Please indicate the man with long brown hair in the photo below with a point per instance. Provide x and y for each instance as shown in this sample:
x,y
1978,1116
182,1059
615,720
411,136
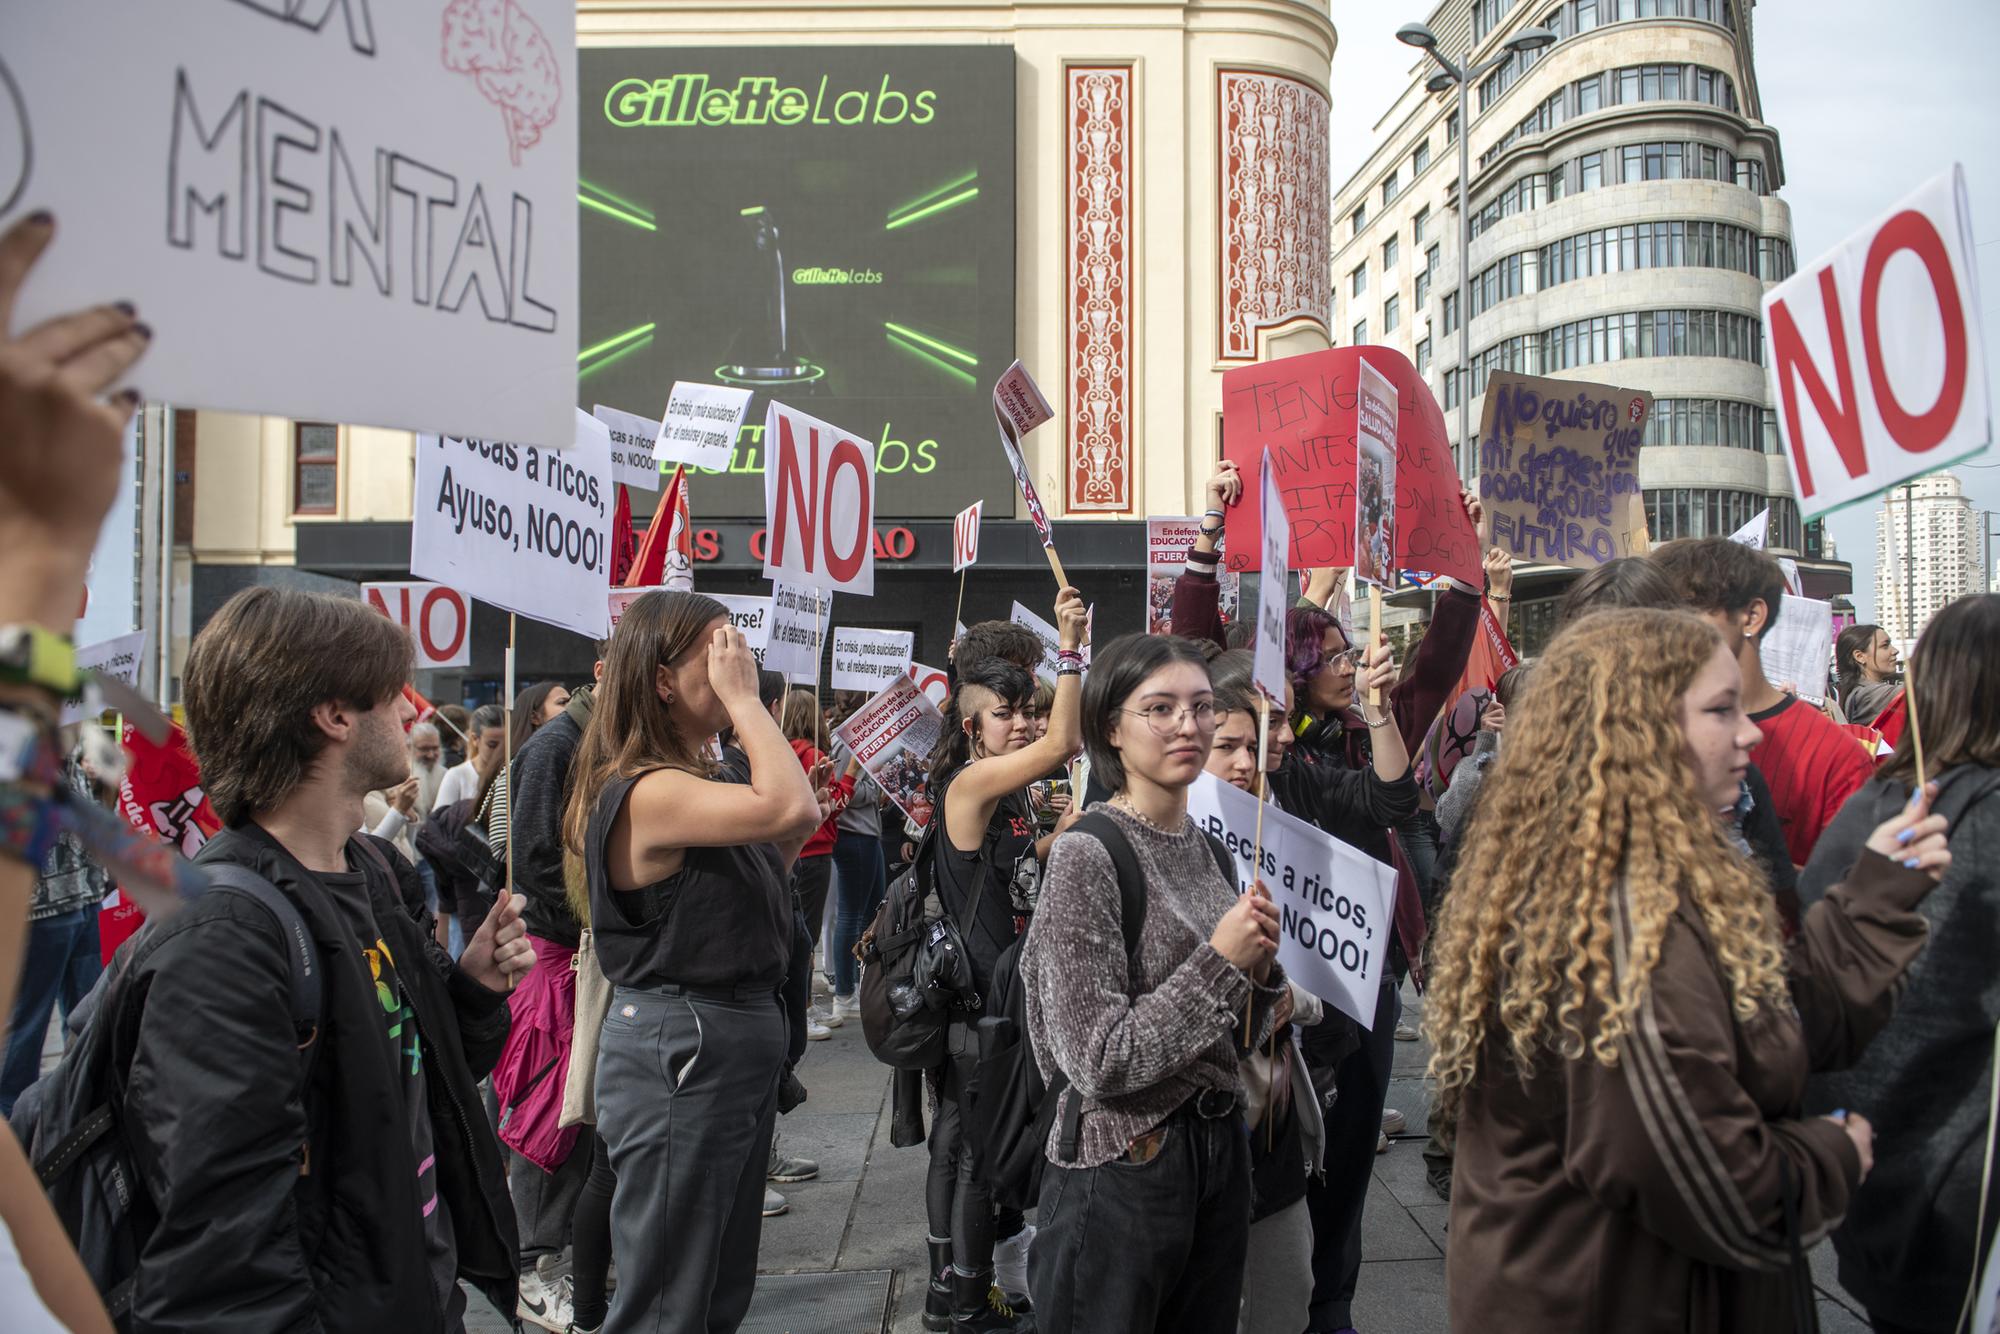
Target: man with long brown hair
x,y
346,1182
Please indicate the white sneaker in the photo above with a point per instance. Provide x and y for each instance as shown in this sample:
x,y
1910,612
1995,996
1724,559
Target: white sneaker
x,y
545,1302
826,1016
847,1007
1010,1265
815,1030
774,1203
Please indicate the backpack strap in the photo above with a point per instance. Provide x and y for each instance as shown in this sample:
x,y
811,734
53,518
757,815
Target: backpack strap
x,y
1223,861
299,951
1131,924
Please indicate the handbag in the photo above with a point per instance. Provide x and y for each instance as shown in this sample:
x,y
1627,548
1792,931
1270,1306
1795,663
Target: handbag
x,y
593,1002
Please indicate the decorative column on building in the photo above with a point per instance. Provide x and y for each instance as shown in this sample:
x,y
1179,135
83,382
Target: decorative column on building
x,y
1099,344
1275,193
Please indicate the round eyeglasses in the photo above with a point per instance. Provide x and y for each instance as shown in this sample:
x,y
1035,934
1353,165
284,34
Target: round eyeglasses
x,y
1165,719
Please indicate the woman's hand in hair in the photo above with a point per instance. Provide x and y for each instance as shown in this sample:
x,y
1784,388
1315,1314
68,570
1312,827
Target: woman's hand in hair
x,y
1070,615
732,670
1915,837
1247,935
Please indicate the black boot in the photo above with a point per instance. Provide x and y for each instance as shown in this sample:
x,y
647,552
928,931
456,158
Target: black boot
x,y
937,1297
977,1307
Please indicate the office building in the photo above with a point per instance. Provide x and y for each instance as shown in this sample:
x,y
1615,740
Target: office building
x,y
1936,557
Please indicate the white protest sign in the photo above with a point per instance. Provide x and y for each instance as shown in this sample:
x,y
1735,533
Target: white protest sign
x,y
1752,533
439,619
869,659
965,536
798,622
118,658
1168,538
631,447
700,425
819,503
1267,670
392,185
1374,479
893,735
1333,901
931,681
522,528
1877,353
1051,641
1798,648
109,596
1019,406
1790,567
749,614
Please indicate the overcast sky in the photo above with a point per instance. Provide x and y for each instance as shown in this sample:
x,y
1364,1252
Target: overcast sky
x,y
1857,135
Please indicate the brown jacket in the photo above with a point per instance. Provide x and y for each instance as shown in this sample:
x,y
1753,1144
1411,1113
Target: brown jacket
x,y
1651,1197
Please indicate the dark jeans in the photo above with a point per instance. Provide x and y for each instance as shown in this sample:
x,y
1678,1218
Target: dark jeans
x,y
1419,836
1353,1125
811,877
1147,1248
687,1092
958,1202
590,1234
58,967
858,886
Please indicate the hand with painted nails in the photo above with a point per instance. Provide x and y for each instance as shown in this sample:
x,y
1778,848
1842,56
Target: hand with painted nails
x,y
61,439
1915,837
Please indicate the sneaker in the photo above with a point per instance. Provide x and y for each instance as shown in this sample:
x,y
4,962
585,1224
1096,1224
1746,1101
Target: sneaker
x,y
575,1328
1010,1265
847,1007
815,1030
825,1015
1382,1144
1393,1121
774,1203
787,1169
1405,1033
545,1302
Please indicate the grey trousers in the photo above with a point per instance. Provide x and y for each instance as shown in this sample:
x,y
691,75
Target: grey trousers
x,y
1277,1276
686,1097
545,1202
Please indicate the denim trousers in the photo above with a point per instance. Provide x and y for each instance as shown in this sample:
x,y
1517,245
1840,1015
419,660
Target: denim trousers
x,y
858,887
1353,1127
58,968
1158,1246
687,1089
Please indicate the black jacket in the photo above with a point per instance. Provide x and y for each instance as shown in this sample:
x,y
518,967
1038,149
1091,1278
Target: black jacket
x,y
537,795
251,1238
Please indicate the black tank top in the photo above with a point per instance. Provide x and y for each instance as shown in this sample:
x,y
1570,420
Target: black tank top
x,y
1010,836
723,920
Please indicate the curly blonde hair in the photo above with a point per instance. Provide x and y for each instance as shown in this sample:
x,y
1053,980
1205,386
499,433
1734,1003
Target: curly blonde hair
x,y
1591,789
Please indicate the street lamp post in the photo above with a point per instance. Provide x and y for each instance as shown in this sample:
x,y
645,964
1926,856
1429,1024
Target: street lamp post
x,y
1421,37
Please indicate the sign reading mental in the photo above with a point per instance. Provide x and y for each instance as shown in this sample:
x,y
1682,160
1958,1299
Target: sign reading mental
x,y
1559,469
819,503
522,528
393,185
1305,410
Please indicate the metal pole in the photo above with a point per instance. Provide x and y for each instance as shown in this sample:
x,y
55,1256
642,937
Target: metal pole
x,y
166,605
1467,455
1910,562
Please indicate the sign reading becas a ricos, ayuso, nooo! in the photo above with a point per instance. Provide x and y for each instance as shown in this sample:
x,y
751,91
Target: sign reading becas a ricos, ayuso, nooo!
x,y
691,100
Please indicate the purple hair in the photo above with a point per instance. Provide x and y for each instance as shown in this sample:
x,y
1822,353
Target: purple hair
x,y
1305,643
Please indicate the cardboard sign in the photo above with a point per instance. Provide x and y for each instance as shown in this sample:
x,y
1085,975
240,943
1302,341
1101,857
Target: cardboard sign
x,y
1303,409
1374,479
965,536
631,447
1559,469
1267,671
392,185
701,425
1797,650
1019,406
819,504
1752,533
1167,542
867,660
439,619
893,736
934,683
522,528
798,627
1878,354
1334,901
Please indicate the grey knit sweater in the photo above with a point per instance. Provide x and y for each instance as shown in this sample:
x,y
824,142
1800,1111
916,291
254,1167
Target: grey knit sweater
x,y
1135,1047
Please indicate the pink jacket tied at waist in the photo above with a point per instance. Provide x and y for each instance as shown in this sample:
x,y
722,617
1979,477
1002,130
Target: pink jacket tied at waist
x,y
534,1065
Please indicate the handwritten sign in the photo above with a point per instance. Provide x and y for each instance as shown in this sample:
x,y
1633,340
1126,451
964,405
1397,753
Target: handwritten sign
x,y
1559,469
1019,406
893,735
700,426
439,619
1304,409
1333,900
798,627
819,503
1797,650
1168,539
1268,666
869,659
631,447
522,528
391,185
1375,479
965,536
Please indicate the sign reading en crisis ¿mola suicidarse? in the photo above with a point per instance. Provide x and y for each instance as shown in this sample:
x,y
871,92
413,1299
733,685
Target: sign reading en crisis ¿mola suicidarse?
x,y
862,273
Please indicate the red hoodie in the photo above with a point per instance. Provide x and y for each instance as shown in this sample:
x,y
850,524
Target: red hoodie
x,y
842,791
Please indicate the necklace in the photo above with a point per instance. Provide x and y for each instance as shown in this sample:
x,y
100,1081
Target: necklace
x,y
1124,803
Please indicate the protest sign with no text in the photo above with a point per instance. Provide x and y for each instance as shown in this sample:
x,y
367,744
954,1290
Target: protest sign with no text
x,y
819,504
522,528
438,618
700,425
393,185
1333,900
631,447
1273,598
893,735
867,660
1559,469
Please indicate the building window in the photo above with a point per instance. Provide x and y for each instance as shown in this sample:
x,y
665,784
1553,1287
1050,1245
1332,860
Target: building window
x,y
1486,15
1390,188
1591,167
1750,175
1423,356
1431,259
1450,311
1357,281
1420,157
1418,224
1423,292
315,468
1673,512
1360,333
1451,128
1392,315
1390,249
1715,423
1358,219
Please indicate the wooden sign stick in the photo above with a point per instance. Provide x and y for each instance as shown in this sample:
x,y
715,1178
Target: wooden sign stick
x,y
1910,706
1375,635
1257,853
1055,563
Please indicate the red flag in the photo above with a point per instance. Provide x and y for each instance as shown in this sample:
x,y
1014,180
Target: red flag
x,y
161,794
423,706
624,542
666,553
1893,718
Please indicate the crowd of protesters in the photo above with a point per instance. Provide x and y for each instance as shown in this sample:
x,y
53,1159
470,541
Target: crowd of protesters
x,y
1687,945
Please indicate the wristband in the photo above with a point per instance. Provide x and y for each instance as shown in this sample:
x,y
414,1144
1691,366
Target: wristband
x,y
1386,720
1500,597
1070,655
1218,515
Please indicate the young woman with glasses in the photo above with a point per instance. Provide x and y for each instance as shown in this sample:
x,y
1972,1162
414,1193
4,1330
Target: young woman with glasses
x,y
1145,1226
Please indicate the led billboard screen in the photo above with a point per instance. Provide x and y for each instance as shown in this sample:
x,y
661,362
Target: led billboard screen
x,y
831,226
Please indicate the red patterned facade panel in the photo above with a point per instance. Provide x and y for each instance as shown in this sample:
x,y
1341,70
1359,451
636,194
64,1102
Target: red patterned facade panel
x,y
1273,239
1099,336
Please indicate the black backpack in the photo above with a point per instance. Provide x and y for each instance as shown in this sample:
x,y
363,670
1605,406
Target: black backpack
x,y
1009,1109
915,972
69,1120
